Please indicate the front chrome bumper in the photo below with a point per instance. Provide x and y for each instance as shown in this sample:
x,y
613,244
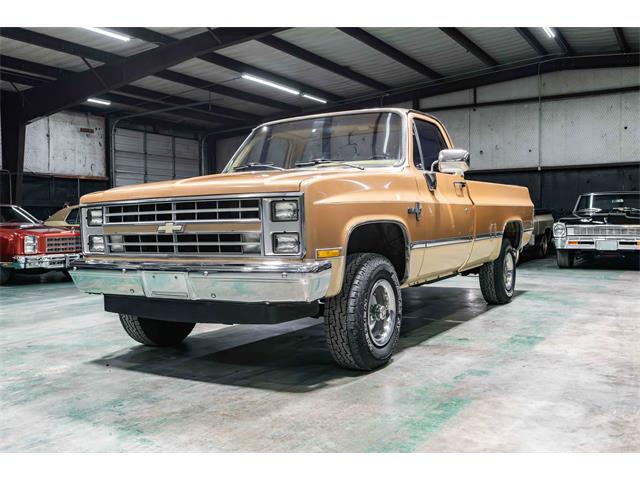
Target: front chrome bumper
x,y
269,282
603,244
50,261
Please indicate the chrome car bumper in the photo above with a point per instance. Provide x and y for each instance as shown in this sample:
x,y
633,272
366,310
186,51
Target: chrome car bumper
x,y
274,282
52,261
602,244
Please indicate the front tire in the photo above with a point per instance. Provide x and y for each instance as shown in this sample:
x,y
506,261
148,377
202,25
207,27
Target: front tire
x,y
498,278
565,258
362,322
155,333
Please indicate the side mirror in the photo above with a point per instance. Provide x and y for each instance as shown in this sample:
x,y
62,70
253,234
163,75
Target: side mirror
x,y
455,160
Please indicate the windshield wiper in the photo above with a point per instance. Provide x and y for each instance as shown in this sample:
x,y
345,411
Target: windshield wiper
x,y
594,210
269,166
325,161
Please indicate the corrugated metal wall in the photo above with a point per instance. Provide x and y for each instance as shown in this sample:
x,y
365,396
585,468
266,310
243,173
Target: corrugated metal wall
x,y
149,157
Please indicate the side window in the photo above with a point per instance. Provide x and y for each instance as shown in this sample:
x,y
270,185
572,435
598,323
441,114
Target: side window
x,y
429,143
72,218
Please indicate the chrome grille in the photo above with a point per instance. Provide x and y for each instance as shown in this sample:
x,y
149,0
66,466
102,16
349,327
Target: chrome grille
x,y
63,244
185,243
223,210
603,230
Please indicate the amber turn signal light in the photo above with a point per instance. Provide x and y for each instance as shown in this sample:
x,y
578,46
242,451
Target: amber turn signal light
x,y
328,253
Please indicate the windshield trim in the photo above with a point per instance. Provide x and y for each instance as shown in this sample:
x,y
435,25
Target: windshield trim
x,y
402,162
30,219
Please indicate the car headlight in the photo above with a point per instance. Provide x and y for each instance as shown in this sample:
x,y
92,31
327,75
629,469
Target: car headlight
x,y
30,244
116,244
96,243
559,230
94,217
286,243
284,211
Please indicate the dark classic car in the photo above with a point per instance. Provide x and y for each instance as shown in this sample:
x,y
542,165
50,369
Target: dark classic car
x,y
31,247
601,223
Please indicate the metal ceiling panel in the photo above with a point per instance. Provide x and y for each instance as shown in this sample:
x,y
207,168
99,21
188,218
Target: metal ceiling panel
x,y
591,40
95,40
26,51
179,32
504,44
548,43
346,50
431,47
262,56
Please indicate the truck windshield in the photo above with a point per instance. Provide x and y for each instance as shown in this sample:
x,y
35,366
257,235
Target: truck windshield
x,y
606,203
11,214
359,140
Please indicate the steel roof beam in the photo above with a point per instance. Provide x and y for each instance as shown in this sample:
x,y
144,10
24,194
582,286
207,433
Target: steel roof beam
x,y
318,61
220,113
231,64
64,46
533,42
462,40
562,42
622,41
389,51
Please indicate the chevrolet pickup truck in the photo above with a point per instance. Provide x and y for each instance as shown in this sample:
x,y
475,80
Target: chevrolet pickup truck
x,y
328,215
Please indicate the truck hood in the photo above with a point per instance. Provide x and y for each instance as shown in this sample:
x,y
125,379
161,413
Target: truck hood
x,y
34,229
219,184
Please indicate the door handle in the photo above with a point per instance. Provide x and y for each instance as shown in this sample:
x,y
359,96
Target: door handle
x,y
460,184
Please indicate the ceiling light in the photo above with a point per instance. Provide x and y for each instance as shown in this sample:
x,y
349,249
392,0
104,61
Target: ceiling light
x,y
270,84
550,33
315,99
108,33
99,101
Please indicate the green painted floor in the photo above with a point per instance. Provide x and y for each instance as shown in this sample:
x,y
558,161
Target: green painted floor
x,y
558,369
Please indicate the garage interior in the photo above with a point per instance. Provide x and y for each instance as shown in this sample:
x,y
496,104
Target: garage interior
x,y
554,109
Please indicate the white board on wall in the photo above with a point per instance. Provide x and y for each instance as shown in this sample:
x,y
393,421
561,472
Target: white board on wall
x,y
66,143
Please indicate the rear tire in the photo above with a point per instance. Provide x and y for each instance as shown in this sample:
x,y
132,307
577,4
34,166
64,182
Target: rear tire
x,y
565,258
155,333
543,246
5,275
362,322
498,278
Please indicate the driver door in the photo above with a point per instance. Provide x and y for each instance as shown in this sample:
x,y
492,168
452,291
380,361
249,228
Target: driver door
x,y
447,207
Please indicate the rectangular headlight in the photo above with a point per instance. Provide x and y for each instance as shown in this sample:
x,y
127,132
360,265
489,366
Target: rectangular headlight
x,y
286,243
96,243
284,211
94,217
30,244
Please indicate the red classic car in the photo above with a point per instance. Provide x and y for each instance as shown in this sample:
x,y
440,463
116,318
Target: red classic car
x,y
31,247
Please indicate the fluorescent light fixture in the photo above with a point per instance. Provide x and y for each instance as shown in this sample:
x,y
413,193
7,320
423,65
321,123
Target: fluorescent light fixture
x,y
293,91
550,33
108,33
99,101
315,99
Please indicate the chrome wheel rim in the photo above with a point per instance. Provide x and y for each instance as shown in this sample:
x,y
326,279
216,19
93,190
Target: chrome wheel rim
x,y
508,270
381,313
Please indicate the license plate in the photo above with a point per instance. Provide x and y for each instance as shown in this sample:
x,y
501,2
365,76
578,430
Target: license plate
x,y
607,245
165,285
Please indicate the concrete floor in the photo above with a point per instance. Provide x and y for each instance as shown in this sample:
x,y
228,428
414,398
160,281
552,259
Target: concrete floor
x,y
558,369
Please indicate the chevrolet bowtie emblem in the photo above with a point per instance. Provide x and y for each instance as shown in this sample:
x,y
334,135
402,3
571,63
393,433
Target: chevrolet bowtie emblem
x,y
169,228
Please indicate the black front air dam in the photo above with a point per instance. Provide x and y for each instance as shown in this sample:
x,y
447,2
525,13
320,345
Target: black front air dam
x,y
207,311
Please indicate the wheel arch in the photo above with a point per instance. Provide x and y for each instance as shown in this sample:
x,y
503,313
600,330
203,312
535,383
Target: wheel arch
x,y
355,241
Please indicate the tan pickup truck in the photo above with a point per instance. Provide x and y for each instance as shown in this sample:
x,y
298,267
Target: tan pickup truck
x,y
327,215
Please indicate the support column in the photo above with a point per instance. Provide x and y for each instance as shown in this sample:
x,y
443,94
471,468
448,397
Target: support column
x,y
13,137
